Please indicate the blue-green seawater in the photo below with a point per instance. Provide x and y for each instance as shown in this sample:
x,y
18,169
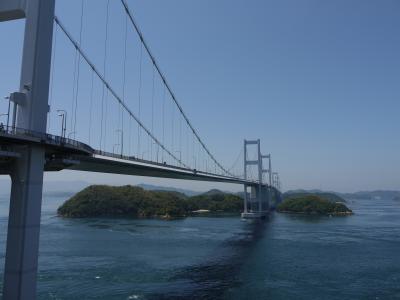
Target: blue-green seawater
x,y
285,257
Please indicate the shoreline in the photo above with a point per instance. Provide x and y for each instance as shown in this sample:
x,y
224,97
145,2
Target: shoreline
x,y
336,214
155,217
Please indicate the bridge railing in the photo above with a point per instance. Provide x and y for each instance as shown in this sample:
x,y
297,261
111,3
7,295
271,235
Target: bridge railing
x,y
160,164
50,139
47,138
136,159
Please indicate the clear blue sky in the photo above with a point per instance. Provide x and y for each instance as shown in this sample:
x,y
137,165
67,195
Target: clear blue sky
x,y
317,81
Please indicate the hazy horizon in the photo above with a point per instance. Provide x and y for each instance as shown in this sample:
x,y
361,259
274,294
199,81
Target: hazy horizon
x,y
317,82
58,185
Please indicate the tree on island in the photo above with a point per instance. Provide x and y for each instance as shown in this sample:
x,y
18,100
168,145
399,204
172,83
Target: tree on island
x,y
130,201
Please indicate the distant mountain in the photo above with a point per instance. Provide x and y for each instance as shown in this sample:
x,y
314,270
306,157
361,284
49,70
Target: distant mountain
x,y
302,191
68,188
50,188
57,187
373,195
213,192
363,195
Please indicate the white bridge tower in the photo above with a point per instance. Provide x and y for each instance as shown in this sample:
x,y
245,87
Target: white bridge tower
x,y
256,203
30,107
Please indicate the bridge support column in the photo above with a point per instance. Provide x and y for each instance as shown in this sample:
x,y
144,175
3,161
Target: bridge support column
x,y
245,200
22,248
24,225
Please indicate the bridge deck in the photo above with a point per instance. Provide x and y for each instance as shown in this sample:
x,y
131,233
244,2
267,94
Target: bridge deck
x,y
68,154
107,164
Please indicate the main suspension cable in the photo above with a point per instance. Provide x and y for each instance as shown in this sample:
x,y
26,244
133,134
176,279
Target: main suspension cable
x,y
112,91
135,25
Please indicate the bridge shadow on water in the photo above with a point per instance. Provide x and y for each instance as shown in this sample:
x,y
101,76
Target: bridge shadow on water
x,y
216,276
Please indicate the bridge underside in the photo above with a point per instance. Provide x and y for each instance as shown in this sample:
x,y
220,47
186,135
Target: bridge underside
x,y
105,164
68,155
64,154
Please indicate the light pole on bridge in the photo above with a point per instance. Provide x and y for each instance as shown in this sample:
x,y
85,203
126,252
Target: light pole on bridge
x,y
63,114
8,111
195,162
71,133
122,140
2,125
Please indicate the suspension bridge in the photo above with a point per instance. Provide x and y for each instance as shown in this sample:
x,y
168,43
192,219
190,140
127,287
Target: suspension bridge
x,y
126,121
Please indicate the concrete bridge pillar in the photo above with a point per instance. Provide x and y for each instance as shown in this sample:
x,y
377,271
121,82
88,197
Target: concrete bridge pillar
x,y
257,202
31,101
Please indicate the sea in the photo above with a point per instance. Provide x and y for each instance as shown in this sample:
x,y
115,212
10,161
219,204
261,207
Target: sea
x,y
283,257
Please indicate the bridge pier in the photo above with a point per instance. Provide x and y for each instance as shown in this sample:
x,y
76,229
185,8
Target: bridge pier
x,y
24,225
31,107
256,201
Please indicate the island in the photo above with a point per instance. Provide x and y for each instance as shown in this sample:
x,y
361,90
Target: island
x,y
136,202
313,204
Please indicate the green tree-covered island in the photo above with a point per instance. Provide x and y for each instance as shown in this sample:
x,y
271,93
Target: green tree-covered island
x,y
135,202
313,204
